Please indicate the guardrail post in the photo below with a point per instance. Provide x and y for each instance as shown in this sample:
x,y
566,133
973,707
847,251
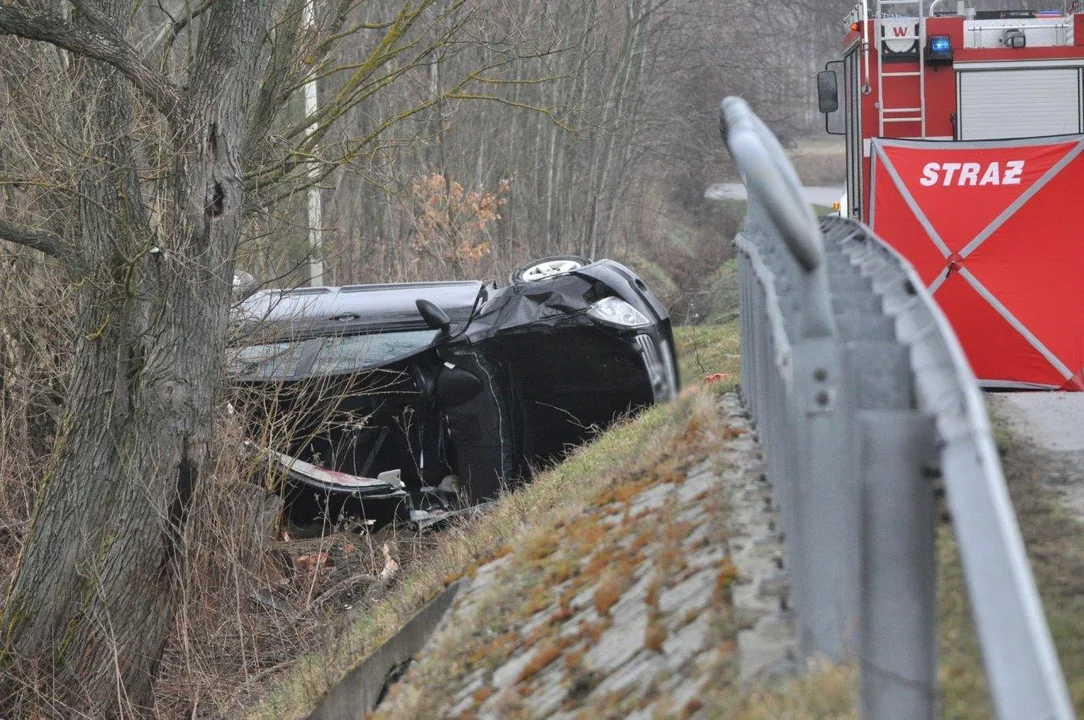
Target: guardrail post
x,y
826,542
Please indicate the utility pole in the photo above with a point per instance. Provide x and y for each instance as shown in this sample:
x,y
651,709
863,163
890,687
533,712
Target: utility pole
x,y
315,206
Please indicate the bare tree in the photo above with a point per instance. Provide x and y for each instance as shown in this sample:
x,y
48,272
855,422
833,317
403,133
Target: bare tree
x,y
168,129
630,92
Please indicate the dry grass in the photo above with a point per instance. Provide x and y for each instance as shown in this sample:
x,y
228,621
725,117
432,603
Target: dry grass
x,y
251,604
655,634
821,694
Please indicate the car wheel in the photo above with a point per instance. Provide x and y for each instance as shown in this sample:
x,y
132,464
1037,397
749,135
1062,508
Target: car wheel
x,y
548,267
244,284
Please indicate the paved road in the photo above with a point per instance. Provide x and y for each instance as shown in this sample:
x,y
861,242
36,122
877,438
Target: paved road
x,y
1053,421
817,195
1053,424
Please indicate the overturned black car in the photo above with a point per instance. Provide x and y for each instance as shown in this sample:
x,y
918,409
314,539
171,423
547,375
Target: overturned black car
x,y
380,400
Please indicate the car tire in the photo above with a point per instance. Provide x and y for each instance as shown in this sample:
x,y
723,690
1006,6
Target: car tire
x,y
547,267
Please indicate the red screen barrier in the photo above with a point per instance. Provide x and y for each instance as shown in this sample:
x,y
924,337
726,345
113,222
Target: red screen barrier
x,y
994,230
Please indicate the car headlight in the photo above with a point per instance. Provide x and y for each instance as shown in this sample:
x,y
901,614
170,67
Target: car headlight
x,y
615,311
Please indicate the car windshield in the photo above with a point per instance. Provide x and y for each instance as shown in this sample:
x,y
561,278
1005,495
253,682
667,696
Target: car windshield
x,y
333,355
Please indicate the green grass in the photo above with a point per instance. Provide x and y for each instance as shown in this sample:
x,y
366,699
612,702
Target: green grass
x,y
708,350
730,207
963,685
725,295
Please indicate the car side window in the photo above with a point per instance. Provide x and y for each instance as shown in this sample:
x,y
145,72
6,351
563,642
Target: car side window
x,y
357,352
268,361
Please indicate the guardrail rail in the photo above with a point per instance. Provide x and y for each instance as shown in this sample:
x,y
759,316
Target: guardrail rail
x,y
862,399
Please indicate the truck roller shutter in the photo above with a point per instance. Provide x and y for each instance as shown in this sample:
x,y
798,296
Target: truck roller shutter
x,y
997,104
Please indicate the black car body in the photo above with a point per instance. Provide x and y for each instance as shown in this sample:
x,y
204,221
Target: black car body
x,y
383,392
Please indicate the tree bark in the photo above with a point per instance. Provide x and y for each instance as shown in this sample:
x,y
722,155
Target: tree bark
x,y
93,600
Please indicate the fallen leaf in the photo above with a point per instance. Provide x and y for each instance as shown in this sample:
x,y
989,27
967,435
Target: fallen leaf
x,y
307,563
390,566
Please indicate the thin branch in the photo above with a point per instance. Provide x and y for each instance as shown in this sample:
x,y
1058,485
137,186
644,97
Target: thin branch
x,y
92,37
547,112
169,32
41,240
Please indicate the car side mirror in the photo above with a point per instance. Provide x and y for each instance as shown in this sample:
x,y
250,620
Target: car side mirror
x,y
434,317
827,91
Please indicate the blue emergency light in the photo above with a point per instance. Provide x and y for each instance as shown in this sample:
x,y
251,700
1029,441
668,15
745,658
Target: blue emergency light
x,y
939,49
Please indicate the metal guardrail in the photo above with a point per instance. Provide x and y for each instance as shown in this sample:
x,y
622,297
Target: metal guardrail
x,y
862,397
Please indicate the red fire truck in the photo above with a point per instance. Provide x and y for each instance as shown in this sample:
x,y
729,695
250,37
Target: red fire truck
x,y
964,132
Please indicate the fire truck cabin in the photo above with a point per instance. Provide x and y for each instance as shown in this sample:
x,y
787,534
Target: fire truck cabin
x,y
950,71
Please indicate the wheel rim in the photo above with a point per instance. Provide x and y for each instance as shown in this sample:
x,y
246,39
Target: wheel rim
x,y
550,268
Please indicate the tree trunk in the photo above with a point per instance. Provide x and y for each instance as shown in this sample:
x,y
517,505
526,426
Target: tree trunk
x,y
93,600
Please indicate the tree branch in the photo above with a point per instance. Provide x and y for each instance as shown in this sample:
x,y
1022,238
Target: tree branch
x,y
93,37
41,240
